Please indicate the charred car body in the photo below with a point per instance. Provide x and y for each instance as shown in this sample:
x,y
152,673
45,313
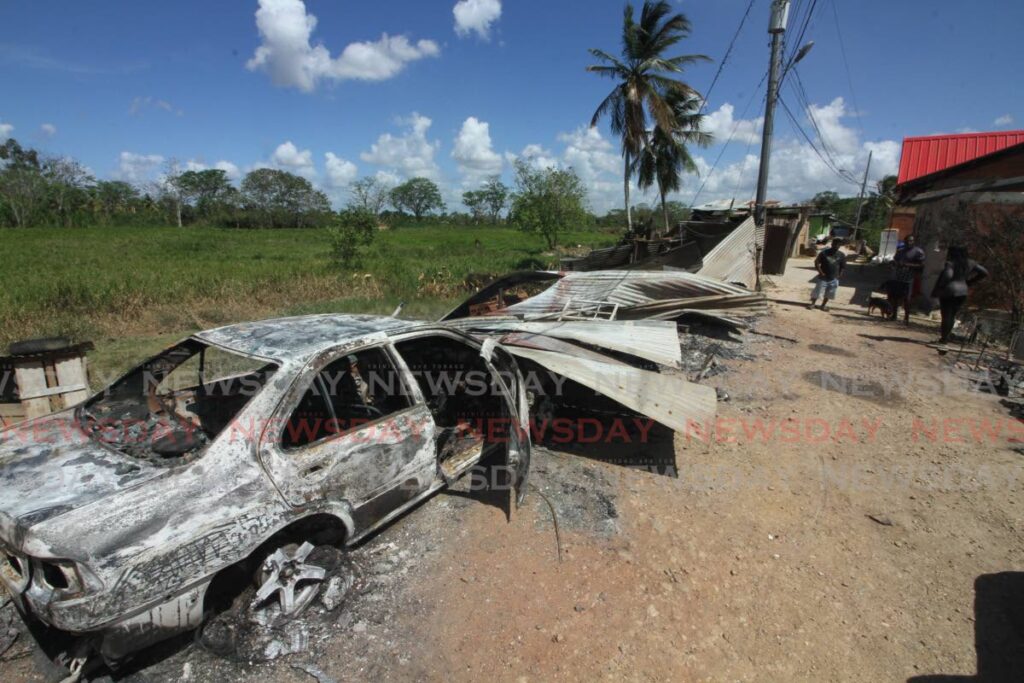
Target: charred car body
x,y
241,447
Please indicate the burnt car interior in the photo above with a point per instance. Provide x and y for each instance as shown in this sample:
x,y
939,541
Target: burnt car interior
x,y
353,391
170,407
460,393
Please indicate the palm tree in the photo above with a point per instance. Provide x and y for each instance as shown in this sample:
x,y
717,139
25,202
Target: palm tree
x,y
662,160
643,80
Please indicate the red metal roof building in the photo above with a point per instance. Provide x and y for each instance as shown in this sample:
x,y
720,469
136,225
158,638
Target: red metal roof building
x,y
923,156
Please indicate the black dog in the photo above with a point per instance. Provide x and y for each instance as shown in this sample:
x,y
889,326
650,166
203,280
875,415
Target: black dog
x,y
881,304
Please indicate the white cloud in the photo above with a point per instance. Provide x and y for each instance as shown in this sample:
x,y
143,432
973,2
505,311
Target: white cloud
x,y
340,172
721,124
474,153
1004,120
535,155
840,139
388,178
137,168
409,155
797,172
476,16
48,130
292,61
587,151
230,169
288,157
140,104
5,131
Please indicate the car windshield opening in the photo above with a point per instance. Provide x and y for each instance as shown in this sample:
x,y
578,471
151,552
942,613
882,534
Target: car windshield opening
x,y
170,407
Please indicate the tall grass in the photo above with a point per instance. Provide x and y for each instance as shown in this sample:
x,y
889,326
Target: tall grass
x,y
117,281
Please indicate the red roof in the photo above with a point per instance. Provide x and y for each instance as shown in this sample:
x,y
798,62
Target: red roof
x,y
926,155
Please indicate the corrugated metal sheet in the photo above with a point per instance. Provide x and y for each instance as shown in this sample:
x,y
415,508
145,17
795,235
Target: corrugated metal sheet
x,y
732,260
627,288
668,399
926,155
653,340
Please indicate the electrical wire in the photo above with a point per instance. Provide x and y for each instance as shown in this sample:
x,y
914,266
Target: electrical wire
x,y
846,65
829,163
732,134
721,65
795,45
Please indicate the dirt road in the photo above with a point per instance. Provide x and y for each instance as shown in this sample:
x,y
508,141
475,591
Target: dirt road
x,y
853,514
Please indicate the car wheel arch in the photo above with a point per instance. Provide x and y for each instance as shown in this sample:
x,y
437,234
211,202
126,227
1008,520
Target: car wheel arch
x,y
322,527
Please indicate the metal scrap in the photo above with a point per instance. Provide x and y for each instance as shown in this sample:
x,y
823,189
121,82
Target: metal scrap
x,y
734,259
670,400
652,340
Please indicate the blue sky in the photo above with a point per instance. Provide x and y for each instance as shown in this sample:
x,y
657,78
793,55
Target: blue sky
x,y
455,91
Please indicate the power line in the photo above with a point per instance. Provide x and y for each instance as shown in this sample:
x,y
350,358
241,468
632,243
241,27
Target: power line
x,y
846,65
829,163
732,134
826,145
795,46
721,65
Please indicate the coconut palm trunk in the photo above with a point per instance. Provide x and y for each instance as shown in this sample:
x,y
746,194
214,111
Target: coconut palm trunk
x,y
625,190
643,81
664,210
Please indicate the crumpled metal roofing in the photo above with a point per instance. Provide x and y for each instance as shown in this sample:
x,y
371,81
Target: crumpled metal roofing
x,y
665,398
653,340
630,289
733,259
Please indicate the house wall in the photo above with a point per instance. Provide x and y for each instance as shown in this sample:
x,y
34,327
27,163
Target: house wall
x,y
902,220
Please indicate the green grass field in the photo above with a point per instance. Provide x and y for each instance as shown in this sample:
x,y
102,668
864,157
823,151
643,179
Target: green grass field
x,y
133,290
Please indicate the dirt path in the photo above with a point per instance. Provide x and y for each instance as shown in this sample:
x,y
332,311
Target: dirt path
x,y
848,550
850,516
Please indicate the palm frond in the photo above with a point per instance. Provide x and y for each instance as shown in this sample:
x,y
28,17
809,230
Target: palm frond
x,y
610,103
687,60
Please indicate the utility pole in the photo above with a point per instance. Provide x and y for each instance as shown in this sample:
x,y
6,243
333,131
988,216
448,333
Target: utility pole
x,y
863,188
776,27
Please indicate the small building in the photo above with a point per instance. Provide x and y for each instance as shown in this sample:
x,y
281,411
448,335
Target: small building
x,y
945,178
937,166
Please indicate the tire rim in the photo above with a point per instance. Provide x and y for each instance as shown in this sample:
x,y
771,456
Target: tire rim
x,y
286,574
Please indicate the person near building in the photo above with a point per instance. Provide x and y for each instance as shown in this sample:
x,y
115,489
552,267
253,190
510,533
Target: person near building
x,y
907,266
957,277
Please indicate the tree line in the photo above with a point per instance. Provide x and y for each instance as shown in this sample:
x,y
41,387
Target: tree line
x,y
38,190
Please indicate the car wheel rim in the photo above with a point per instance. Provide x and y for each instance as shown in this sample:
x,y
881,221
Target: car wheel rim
x,y
288,581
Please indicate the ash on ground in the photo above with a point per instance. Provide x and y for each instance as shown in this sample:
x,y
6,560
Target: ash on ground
x,y
353,624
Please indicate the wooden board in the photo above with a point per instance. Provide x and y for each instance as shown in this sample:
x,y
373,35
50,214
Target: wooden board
x,y
11,413
31,381
71,373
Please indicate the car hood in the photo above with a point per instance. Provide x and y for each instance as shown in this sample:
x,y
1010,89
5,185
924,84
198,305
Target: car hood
x,y
49,466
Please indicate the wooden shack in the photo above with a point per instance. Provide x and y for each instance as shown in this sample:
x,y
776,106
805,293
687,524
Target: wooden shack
x,y
39,379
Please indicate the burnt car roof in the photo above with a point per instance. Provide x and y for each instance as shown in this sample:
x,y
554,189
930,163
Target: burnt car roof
x,y
299,337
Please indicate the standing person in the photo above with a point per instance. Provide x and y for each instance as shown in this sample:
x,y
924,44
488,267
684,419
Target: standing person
x,y
953,284
907,266
830,264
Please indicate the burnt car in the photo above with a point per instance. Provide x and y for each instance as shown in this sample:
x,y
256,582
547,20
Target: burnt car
x,y
231,457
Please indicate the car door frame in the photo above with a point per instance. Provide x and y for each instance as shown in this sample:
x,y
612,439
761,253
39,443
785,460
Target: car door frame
x,y
519,447
281,466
